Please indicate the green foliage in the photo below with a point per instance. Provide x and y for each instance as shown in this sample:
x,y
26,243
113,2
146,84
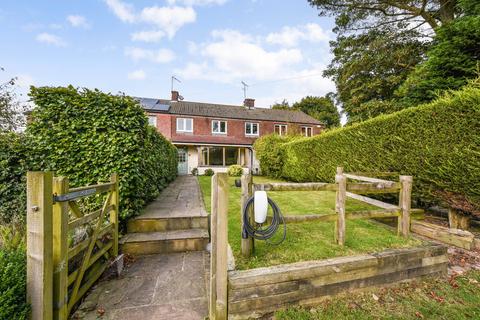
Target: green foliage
x,y
13,166
452,61
284,105
437,143
13,304
367,68
270,154
235,170
208,172
320,108
86,135
194,172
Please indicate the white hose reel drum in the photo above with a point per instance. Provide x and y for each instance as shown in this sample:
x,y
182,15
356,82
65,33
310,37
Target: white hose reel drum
x,y
260,206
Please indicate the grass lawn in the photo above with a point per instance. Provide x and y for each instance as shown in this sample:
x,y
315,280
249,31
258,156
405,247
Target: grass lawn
x,y
429,299
307,240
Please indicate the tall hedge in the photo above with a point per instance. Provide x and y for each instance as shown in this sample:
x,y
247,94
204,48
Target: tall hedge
x,y
270,154
12,177
437,143
13,285
86,135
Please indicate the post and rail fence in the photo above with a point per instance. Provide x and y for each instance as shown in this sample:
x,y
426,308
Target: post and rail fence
x,y
54,285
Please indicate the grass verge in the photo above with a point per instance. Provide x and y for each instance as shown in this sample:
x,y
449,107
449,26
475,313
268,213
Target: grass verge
x,y
308,240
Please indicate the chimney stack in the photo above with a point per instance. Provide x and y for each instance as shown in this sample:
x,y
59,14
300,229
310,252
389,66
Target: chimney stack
x,y
175,95
249,103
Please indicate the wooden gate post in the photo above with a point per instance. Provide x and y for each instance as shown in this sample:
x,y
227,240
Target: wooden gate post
x,y
405,202
115,212
60,251
218,267
341,195
247,186
39,244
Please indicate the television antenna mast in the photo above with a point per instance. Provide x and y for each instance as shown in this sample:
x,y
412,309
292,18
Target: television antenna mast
x,y
175,79
245,87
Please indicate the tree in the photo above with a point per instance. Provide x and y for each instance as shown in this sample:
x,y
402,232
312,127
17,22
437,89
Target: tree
x,y
320,108
453,59
11,111
367,68
284,105
354,15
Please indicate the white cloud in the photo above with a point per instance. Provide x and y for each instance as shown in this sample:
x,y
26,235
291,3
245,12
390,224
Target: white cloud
x,y
169,19
196,2
291,36
78,21
157,56
137,75
148,36
124,11
233,56
52,39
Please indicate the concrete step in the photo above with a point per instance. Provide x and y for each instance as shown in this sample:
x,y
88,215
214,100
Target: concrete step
x,y
165,241
166,223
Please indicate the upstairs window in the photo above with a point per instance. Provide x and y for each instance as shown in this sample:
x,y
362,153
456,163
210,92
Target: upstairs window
x,y
184,125
152,120
219,127
281,129
251,129
307,131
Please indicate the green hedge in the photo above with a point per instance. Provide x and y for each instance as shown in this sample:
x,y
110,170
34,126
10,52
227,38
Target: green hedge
x,y
13,289
437,143
86,135
12,177
270,154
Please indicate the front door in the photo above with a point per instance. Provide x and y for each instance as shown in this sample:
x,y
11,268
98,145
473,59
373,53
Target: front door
x,y
182,161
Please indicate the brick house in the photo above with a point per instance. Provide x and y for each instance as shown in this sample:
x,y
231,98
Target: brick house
x,y
216,136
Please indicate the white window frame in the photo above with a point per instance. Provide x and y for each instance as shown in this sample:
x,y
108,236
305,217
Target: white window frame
x,y
306,131
152,120
280,125
184,120
251,127
219,126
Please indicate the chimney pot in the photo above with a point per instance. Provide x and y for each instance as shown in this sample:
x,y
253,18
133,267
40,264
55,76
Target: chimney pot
x,y
175,95
249,103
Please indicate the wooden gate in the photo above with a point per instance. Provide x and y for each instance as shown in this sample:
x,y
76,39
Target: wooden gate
x,y
53,215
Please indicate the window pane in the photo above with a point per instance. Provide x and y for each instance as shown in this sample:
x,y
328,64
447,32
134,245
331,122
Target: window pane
x,y
248,128
254,128
216,156
215,126
231,156
284,130
223,126
180,126
277,129
188,124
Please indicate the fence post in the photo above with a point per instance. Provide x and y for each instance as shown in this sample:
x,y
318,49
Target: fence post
x,y
246,244
39,244
213,248
222,247
341,181
60,251
115,213
405,201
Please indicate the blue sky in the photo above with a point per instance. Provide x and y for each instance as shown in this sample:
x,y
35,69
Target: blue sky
x,y
278,47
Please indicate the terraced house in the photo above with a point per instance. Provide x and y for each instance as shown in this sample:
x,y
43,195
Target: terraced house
x,y
216,136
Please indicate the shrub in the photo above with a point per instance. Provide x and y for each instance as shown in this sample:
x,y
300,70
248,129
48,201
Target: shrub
x,y
13,304
437,143
12,177
235,170
208,172
270,154
194,172
86,135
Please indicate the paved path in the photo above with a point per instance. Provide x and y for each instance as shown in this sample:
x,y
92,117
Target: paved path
x,y
159,286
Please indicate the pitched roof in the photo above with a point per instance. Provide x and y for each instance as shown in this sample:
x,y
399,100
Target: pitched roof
x,y
226,111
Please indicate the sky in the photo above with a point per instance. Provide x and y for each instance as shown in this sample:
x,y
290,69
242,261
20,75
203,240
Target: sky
x,y
279,48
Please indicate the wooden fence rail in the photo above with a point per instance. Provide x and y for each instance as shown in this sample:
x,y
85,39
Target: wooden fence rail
x,y
53,215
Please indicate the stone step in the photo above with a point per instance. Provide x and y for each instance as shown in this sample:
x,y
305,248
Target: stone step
x,y
166,223
165,241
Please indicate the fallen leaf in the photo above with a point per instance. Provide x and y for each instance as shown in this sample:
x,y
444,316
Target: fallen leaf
x,y
375,297
418,314
101,311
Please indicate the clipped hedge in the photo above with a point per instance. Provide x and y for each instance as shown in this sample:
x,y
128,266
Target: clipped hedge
x,y
12,177
270,154
86,135
13,285
437,143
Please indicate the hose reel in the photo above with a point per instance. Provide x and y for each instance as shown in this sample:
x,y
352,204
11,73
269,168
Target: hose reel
x,y
259,228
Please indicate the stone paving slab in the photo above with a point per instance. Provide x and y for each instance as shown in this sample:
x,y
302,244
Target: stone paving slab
x,y
161,286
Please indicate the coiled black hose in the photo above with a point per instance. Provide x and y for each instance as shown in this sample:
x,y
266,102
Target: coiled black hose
x,y
256,231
